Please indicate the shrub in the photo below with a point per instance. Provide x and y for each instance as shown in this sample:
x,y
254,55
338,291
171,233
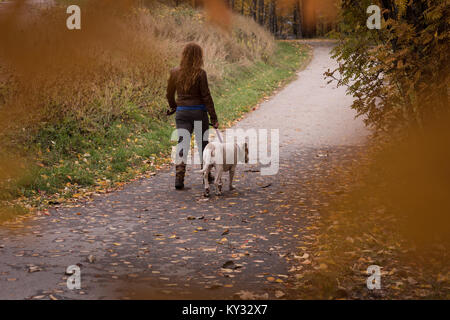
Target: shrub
x,y
399,75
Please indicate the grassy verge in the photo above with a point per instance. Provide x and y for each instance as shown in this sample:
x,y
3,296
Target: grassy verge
x,y
137,144
243,88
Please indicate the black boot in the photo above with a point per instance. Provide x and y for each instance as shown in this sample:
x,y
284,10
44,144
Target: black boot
x,y
180,170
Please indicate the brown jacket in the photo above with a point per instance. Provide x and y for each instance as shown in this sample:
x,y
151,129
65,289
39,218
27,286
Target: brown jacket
x,y
198,94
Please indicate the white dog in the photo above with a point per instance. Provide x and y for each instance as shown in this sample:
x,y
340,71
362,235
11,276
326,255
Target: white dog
x,y
223,157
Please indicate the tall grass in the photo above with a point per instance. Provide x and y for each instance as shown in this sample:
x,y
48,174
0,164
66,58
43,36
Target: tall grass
x,y
119,62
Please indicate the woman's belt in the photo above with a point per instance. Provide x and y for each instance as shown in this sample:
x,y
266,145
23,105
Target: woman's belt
x,y
198,107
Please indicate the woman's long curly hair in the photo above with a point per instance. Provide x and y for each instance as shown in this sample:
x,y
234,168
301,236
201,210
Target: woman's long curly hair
x,y
190,66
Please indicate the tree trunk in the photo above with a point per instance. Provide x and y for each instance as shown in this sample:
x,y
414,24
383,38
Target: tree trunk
x,y
231,4
273,17
261,12
254,5
297,23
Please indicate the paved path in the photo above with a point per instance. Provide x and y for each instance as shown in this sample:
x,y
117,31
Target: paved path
x,y
150,241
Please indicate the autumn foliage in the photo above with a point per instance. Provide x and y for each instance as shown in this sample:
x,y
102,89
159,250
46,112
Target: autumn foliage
x,y
399,75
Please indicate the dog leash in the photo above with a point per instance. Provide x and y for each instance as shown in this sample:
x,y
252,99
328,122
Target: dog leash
x,y
218,134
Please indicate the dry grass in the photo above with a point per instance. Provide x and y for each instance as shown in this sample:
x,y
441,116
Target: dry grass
x,y
119,60
243,43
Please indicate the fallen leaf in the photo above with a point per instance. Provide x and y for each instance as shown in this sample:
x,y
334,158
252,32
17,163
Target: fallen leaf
x,y
33,268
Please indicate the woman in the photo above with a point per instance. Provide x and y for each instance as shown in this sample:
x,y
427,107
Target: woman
x,y
193,103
